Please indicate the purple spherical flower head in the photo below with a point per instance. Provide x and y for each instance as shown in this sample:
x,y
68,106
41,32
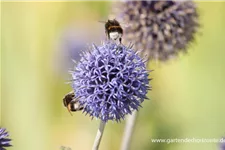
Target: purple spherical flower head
x,y
110,81
4,140
161,29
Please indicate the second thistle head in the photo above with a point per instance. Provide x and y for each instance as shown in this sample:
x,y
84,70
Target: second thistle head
x,y
160,28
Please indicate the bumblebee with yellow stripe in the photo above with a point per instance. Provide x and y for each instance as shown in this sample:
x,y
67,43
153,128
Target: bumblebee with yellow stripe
x,y
72,103
113,30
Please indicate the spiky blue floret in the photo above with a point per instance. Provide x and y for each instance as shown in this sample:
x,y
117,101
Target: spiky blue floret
x,y
4,140
110,81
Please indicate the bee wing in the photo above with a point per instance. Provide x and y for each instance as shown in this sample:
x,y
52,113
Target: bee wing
x,y
125,25
71,93
102,21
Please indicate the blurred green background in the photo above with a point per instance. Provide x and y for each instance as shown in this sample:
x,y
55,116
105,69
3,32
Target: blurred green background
x,y
187,100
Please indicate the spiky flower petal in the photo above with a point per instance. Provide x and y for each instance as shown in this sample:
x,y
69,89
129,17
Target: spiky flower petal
x,y
160,28
110,81
4,140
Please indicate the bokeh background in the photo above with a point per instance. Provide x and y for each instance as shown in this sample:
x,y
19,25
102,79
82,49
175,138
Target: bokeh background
x,y
38,40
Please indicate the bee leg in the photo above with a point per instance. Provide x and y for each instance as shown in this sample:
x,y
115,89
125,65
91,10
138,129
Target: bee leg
x,y
120,39
81,108
69,110
107,35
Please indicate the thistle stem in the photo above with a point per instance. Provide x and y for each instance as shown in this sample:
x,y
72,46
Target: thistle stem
x,y
129,128
99,135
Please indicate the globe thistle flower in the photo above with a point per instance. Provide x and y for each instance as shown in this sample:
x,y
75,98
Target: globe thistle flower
x,y
160,28
110,81
4,140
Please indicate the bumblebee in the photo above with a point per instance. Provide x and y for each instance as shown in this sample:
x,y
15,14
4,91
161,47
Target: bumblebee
x,y
72,103
113,30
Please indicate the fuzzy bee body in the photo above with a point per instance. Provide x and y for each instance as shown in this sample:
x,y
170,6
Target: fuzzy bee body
x,y
113,30
72,103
